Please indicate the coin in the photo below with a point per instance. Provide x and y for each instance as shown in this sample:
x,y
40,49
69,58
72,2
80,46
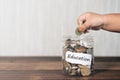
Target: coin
x,y
81,49
77,32
70,48
74,66
78,71
81,66
68,41
66,65
85,71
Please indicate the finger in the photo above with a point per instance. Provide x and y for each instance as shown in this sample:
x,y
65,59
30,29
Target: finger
x,y
82,28
81,19
96,28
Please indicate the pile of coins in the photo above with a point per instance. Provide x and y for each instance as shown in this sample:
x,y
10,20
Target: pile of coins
x,y
76,69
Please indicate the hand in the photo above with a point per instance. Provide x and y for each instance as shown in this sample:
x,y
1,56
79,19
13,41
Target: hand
x,y
90,20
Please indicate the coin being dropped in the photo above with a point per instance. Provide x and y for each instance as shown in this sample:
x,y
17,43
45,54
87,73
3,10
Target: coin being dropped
x,y
77,32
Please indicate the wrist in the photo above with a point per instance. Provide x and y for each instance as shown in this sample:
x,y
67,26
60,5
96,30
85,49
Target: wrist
x,y
103,16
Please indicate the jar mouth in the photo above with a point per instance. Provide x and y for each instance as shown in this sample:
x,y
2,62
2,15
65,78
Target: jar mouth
x,y
85,40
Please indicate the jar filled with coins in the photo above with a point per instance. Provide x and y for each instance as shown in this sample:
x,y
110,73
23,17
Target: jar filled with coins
x,y
77,58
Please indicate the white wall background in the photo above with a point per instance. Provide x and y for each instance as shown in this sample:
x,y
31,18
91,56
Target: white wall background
x,y
37,27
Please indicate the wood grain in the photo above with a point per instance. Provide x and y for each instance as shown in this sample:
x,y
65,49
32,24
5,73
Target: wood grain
x,y
50,68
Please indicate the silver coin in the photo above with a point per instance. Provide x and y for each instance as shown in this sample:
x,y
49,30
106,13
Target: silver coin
x,y
77,32
78,71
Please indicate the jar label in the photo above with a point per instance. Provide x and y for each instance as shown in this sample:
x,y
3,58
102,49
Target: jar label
x,y
79,58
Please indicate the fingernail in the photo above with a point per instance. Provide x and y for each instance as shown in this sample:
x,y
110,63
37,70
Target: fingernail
x,y
81,28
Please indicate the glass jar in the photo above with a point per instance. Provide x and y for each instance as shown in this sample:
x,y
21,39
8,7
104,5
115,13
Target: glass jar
x,y
77,55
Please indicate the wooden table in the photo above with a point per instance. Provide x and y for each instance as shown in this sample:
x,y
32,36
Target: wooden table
x,y
50,68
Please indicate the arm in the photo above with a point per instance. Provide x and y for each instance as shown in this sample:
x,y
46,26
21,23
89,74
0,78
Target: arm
x,y
109,22
112,22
